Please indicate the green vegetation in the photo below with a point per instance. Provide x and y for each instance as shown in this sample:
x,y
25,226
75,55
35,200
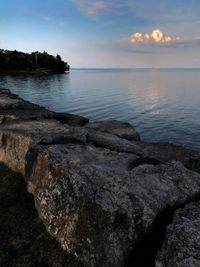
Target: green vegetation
x,y
15,61
24,240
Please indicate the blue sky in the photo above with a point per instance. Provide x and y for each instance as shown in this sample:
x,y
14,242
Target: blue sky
x,y
112,33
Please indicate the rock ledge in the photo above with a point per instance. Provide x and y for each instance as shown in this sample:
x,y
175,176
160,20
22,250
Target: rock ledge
x,y
99,190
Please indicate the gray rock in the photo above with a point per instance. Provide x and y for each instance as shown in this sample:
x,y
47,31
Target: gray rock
x,y
97,188
181,246
71,119
17,137
112,142
122,129
10,101
166,152
97,208
19,115
12,107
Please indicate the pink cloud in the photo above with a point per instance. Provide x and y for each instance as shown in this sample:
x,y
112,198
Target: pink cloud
x,y
157,37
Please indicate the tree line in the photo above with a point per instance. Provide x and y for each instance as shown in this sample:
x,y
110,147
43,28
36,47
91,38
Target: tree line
x,y
36,61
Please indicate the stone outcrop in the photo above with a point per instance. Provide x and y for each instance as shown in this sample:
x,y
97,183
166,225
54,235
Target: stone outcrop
x,y
182,242
17,137
106,196
13,107
165,152
95,207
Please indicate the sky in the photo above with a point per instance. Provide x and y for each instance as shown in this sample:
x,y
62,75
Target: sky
x,y
105,33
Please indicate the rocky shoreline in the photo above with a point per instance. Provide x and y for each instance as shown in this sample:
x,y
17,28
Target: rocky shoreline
x,y
108,198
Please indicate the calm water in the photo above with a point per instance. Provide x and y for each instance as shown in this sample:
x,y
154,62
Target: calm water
x,y
163,105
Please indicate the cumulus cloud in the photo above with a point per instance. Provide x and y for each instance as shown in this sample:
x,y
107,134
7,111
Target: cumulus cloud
x,y
157,37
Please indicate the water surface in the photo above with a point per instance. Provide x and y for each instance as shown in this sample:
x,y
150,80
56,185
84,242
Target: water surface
x,y
163,105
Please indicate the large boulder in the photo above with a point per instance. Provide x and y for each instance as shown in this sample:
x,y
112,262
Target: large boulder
x,y
17,137
96,206
102,193
181,247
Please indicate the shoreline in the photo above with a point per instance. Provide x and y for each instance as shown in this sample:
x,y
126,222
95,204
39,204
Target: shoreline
x,y
105,195
24,72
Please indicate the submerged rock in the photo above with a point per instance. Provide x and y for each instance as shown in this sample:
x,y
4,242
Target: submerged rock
x,y
181,247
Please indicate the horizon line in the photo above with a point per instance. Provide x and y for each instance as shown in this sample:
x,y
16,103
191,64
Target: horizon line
x,y
131,68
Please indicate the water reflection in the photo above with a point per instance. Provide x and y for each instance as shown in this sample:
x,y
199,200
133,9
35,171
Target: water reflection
x,y
163,105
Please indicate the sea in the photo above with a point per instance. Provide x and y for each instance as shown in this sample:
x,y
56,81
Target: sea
x,y
162,104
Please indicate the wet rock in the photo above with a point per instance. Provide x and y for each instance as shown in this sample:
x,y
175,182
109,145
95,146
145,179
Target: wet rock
x,y
121,129
182,242
97,208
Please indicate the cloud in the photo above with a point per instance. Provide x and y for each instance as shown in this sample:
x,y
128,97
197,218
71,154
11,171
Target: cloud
x,y
96,7
91,8
186,43
156,37
101,7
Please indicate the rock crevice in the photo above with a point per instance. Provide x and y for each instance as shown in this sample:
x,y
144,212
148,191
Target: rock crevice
x,y
102,193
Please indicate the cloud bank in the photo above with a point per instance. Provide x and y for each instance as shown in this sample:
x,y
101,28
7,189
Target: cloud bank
x,y
156,37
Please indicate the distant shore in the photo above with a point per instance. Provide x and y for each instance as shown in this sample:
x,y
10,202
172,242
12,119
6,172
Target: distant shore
x,y
30,72
16,62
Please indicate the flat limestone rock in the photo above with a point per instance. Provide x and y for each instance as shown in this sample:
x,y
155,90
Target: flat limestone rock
x,y
166,152
181,246
12,107
97,188
121,129
16,138
16,115
10,101
112,142
95,206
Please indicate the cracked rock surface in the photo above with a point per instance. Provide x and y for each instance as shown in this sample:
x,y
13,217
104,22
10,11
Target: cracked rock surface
x,y
100,191
181,247
98,209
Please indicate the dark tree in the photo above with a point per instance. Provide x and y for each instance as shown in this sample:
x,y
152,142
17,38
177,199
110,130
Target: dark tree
x,y
36,61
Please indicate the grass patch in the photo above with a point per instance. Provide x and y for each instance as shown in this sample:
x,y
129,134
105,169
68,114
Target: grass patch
x,y
24,241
